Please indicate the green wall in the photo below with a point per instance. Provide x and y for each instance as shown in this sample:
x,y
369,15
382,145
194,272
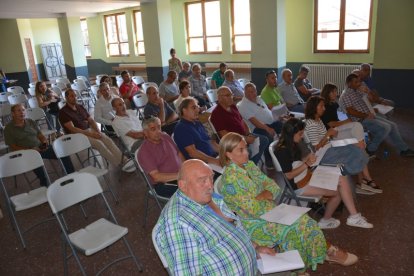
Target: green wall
x,y
25,31
11,50
45,30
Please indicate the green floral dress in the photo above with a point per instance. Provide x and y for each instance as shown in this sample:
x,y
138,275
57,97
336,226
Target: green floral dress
x,y
239,187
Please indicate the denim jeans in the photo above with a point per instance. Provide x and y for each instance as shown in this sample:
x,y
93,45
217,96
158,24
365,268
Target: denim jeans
x,y
263,148
353,158
277,126
381,128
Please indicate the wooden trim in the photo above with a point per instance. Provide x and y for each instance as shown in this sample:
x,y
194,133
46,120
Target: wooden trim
x,y
115,15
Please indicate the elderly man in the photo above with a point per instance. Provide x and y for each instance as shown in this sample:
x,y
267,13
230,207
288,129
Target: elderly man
x,y
359,111
270,94
191,137
160,158
186,72
198,234
128,89
157,107
75,119
217,78
168,88
289,93
303,85
227,118
103,112
234,85
198,85
23,133
127,125
365,75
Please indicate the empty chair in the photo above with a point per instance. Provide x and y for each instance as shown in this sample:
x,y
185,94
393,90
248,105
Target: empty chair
x,y
37,114
65,81
85,79
208,80
5,113
81,84
243,82
32,91
4,97
14,164
145,85
138,80
32,84
15,89
212,96
140,101
17,99
33,102
62,86
72,190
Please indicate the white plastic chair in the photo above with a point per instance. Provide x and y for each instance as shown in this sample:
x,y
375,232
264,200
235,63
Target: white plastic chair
x,y
208,80
15,89
118,78
32,91
33,103
212,96
160,255
98,78
58,91
243,82
74,144
145,85
65,81
17,99
37,114
4,97
217,185
140,101
138,80
81,84
5,113
119,82
14,164
71,190
62,86
94,90
85,80
32,84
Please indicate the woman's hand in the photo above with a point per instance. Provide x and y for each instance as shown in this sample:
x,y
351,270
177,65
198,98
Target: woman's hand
x,y
265,195
310,159
265,250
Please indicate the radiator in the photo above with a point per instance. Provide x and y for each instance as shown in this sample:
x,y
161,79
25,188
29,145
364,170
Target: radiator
x,y
320,74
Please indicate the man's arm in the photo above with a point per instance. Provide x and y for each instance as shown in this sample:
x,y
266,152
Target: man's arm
x,y
92,124
135,134
72,129
259,124
194,153
352,111
99,116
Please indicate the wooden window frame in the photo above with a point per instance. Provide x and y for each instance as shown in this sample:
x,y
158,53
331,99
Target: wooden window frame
x,y
341,31
204,36
233,36
86,45
117,35
136,32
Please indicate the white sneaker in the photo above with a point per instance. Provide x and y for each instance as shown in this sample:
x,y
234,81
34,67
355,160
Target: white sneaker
x,y
361,191
358,220
129,166
330,223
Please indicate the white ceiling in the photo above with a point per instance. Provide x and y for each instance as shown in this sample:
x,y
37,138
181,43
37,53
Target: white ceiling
x,y
59,8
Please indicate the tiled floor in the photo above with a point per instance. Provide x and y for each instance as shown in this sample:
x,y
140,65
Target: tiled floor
x,y
388,249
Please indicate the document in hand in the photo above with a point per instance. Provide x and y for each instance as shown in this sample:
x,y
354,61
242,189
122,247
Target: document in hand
x,y
383,109
279,111
325,177
344,142
284,214
289,260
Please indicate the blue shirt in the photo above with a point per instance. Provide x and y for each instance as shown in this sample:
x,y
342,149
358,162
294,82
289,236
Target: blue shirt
x,y
154,110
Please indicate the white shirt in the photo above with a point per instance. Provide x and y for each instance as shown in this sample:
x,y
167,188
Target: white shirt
x,y
168,89
124,124
104,113
258,110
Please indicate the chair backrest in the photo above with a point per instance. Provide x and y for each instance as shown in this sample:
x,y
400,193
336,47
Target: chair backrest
x,y
98,78
32,84
61,85
5,110
4,97
33,103
119,78
85,79
119,82
212,95
65,81
138,80
69,144
272,148
140,100
17,99
74,86
94,89
218,185
208,80
35,114
145,85
15,89
243,82
81,84
18,162
32,91
72,189
160,255
213,128
55,88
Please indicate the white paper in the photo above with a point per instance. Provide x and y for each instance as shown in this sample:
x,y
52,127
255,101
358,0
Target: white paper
x,y
284,214
325,177
216,168
289,260
279,111
383,109
344,142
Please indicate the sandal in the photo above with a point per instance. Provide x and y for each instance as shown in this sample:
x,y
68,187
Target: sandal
x,y
370,185
339,256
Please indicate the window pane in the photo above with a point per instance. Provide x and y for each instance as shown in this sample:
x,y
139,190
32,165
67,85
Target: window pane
x,y
242,43
328,41
357,14
111,28
196,45
124,48
328,14
87,51
123,35
356,41
195,22
138,27
214,44
84,29
212,17
241,18
113,50
141,48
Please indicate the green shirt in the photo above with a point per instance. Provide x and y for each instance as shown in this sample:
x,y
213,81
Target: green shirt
x,y
271,95
26,136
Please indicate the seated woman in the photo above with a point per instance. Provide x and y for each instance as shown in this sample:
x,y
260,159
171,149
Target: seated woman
x,y
250,193
114,90
48,100
353,158
288,151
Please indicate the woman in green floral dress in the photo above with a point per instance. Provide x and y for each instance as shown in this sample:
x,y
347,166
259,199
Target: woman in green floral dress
x,y
250,193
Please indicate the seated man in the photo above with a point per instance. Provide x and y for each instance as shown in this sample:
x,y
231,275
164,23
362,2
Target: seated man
x,y
270,94
303,85
75,119
198,85
217,78
365,75
185,73
191,137
128,89
358,110
23,133
127,125
160,158
157,107
289,93
103,112
198,234
168,88
234,85
226,118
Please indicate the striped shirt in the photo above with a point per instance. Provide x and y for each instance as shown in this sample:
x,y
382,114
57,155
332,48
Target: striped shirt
x,y
196,241
315,131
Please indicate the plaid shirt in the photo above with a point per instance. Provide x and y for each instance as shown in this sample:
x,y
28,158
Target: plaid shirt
x,y
198,86
355,99
196,241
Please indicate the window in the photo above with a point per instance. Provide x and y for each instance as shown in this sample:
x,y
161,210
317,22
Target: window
x,y
342,26
241,26
85,34
203,26
139,34
116,35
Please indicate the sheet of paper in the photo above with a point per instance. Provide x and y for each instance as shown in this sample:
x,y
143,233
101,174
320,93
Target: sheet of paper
x,y
325,177
383,109
289,260
254,148
284,214
279,110
344,142
216,168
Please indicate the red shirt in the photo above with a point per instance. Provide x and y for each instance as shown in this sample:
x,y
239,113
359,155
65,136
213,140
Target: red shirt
x,y
230,121
124,88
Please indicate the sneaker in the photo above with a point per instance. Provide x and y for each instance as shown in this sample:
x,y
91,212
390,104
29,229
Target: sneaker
x,y
330,223
129,166
358,220
339,256
360,191
407,153
369,185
